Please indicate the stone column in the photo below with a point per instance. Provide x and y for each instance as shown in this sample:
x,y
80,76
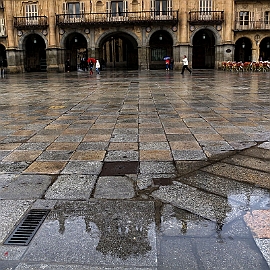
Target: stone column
x,y
9,23
54,62
229,22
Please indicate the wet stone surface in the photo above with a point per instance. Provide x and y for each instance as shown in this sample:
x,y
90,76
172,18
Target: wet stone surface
x,y
97,232
141,170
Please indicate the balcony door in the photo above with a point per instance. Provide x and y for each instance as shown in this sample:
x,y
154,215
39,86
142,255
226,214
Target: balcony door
x,y
74,11
116,10
206,6
31,13
161,8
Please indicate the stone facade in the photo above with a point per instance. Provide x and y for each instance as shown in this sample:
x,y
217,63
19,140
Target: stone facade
x,y
131,34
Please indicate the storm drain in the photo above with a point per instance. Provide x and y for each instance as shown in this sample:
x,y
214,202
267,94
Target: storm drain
x,y
27,228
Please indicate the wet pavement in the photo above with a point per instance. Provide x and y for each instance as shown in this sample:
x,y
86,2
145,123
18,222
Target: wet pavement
x,y
139,170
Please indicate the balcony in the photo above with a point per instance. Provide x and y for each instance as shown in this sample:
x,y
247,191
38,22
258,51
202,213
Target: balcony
x,y
252,25
36,22
143,17
206,17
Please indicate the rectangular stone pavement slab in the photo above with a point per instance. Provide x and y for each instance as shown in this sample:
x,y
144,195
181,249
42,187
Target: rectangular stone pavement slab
x,y
118,233
10,212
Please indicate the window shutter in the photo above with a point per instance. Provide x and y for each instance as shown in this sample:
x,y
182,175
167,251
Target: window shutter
x,y
152,5
65,8
108,7
82,8
169,7
125,6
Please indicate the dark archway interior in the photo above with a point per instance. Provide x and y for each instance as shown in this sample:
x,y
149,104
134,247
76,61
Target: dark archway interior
x,y
243,50
203,55
119,51
76,51
265,49
3,56
161,45
35,52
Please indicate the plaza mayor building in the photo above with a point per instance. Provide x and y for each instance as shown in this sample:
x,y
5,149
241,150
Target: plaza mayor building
x,y
132,34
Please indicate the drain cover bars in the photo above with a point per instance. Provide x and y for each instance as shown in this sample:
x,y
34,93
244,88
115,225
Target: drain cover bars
x,y
27,228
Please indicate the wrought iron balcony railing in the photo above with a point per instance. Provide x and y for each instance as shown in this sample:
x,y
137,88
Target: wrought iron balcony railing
x,y
252,25
31,22
206,17
117,18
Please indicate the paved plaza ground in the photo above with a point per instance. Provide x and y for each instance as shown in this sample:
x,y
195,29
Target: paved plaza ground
x,y
130,170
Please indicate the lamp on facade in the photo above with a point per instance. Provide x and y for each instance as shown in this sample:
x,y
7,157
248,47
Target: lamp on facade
x,y
203,36
243,45
160,37
35,40
75,39
268,45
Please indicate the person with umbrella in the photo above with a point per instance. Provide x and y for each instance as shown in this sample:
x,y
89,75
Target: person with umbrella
x,y
91,62
167,62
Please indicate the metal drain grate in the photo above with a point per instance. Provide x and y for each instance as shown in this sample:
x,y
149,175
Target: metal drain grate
x,y
27,228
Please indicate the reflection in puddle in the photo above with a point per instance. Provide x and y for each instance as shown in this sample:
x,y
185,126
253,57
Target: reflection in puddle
x,y
99,231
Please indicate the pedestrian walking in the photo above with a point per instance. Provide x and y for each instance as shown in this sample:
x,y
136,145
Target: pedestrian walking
x,y
185,65
91,67
167,63
98,67
171,64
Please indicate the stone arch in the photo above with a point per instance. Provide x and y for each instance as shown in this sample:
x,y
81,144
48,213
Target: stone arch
x,y
164,29
66,34
22,40
216,33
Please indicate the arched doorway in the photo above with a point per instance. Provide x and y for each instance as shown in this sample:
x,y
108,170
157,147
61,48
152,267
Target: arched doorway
x,y
161,45
265,49
203,55
76,51
35,53
120,51
243,50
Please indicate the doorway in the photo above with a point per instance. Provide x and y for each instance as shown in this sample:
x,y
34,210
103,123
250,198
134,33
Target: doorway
x,y
35,54
203,55
76,51
119,51
243,50
161,46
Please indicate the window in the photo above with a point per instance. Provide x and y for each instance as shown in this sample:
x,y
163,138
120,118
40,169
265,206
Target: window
x,y
74,10
244,17
31,12
205,9
205,5
117,8
267,17
2,27
162,7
